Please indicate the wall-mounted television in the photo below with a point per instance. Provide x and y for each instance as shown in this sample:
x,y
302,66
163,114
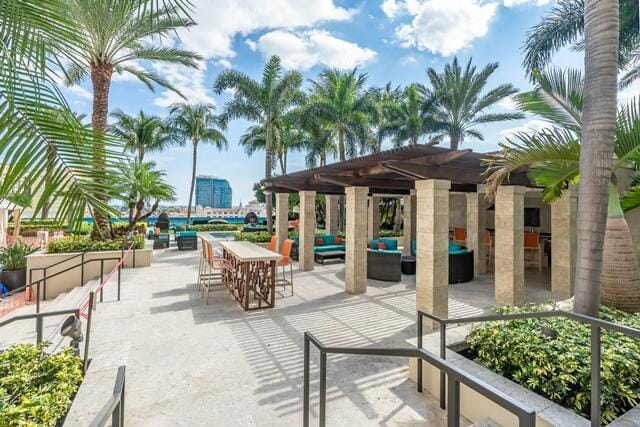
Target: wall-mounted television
x,y
532,217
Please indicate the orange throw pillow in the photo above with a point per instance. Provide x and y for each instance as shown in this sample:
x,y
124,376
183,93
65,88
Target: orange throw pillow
x,y
337,240
382,246
319,241
368,245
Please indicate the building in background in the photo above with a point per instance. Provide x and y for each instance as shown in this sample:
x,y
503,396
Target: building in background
x,y
213,192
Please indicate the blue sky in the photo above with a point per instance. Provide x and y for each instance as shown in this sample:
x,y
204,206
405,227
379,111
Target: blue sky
x,y
390,40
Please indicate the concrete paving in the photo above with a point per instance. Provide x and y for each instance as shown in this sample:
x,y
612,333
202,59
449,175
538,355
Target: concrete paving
x,y
191,364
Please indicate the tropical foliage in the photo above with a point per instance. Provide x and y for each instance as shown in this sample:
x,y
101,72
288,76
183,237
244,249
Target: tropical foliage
x,y
74,244
143,133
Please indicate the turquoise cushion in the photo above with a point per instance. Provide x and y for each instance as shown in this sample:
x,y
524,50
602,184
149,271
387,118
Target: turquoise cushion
x,y
327,248
454,247
328,239
391,244
458,252
373,244
187,234
394,251
413,248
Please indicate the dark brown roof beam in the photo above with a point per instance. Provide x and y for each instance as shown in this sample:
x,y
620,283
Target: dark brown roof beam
x,y
442,158
347,181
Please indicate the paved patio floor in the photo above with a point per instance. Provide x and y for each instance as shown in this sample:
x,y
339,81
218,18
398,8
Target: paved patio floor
x,y
191,364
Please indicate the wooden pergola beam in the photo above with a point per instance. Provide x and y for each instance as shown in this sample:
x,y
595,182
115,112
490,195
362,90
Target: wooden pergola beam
x,y
353,181
442,158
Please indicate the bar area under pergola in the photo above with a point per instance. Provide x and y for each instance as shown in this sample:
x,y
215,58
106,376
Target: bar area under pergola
x,y
426,177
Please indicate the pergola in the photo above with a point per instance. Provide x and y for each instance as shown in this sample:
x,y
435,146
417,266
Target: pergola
x,y
423,176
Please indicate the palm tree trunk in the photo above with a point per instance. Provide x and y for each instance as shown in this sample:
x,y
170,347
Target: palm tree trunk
x,y
454,141
341,152
596,154
140,155
101,82
267,175
193,179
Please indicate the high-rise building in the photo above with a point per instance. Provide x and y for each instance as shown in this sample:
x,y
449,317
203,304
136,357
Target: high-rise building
x,y
213,192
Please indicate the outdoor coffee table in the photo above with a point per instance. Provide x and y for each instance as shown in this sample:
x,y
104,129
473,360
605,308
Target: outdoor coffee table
x,y
408,265
252,281
322,256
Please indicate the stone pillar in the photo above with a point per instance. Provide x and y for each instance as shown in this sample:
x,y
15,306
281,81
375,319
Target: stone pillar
x,y
373,221
409,222
307,230
476,226
563,250
432,273
355,267
282,218
509,223
331,213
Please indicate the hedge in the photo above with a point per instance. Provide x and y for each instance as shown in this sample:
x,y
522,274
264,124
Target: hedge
x,y
552,358
85,244
36,388
215,227
254,237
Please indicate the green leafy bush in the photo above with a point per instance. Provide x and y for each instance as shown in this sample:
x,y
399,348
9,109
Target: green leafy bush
x,y
14,257
552,358
122,228
254,237
390,233
36,388
215,227
85,244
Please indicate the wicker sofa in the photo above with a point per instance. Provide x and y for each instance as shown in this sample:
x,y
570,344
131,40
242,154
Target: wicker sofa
x,y
187,240
384,265
460,263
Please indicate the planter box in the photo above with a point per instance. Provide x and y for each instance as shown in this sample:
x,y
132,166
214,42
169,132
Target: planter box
x,y
71,279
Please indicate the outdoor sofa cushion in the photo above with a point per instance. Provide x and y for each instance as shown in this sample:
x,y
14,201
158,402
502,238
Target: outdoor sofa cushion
x,y
328,248
187,234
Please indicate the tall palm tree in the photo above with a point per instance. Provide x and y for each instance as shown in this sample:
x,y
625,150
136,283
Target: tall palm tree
x,y
116,34
340,100
263,102
414,116
461,106
196,123
385,103
287,136
555,156
143,133
563,26
319,143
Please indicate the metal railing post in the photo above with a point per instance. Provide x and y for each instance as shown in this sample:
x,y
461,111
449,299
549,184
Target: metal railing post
x,y
38,297
101,279
305,403
134,255
419,361
595,375
44,285
119,276
87,341
82,270
323,388
443,354
453,402
39,325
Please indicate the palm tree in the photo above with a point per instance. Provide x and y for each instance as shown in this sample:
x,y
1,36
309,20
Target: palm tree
x,y
196,123
414,116
555,158
116,34
563,26
263,102
144,186
385,103
339,99
142,133
287,136
319,143
460,104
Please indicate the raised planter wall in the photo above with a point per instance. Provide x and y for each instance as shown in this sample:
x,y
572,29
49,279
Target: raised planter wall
x,y
71,279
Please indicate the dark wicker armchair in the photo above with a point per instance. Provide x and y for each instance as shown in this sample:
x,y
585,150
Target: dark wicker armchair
x,y
384,266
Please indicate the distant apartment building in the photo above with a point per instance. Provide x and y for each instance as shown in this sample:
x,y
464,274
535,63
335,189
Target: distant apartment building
x,y
213,192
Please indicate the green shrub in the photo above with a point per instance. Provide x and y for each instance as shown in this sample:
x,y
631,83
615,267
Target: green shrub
x,y
254,237
14,257
215,227
552,357
122,228
85,244
390,233
36,388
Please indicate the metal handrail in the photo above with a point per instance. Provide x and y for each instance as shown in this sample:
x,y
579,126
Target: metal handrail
x,y
596,351
455,376
114,407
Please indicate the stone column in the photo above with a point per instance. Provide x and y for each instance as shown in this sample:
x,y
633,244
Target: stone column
x,y
331,213
432,273
476,226
373,221
509,223
408,222
307,230
282,218
355,263
563,249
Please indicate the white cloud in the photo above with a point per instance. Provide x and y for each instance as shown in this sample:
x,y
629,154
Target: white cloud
x,y
224,63
511,3
190,82
508,104
628,93
409,59
221,20
78,91
444,26
529,127
309,48
392,8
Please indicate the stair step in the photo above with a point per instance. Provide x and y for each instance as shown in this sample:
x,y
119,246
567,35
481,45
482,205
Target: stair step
x,y
486,422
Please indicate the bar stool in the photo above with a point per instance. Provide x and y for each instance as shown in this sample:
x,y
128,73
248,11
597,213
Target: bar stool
x,y
217,267
284,262
273,244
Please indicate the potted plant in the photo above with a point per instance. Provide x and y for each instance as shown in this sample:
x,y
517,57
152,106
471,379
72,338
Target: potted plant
x,y
13,261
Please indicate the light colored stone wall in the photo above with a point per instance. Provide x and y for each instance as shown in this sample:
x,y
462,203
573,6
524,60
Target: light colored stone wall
x,y
355,264
563,230
432,272
282,218
457,210
509,261
307,230
331,213
476,225
373,218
